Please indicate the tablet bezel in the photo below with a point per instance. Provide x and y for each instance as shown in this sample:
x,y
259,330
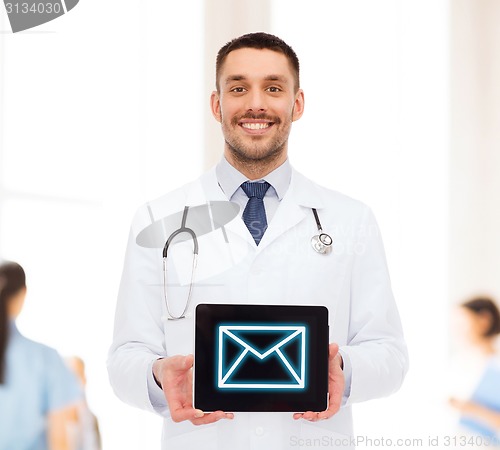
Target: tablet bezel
x,y
208,397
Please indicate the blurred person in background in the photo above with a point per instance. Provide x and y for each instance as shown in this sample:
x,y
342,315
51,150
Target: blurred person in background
x,y
84,427
480,411
37,390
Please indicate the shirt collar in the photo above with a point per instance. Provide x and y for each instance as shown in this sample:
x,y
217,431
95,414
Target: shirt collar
x,y
230,178
13,327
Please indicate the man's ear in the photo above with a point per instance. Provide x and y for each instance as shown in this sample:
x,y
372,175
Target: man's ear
x,y
298,106
215,106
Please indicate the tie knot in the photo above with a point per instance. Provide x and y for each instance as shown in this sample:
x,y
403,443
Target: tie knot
x,y
255,189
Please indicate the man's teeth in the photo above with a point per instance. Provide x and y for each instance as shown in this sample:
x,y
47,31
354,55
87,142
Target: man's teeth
x,y
255,126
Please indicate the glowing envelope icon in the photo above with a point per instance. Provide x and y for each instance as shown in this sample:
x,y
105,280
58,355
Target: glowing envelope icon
x,y
25,14
261,357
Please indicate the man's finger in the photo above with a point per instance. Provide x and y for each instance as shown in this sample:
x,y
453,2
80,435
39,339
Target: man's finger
x,y
179,363
333,349
212,417
326,414
308,415
181,414
188,362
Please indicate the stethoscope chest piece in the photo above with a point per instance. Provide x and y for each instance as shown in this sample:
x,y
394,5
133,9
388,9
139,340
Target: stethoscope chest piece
x,y
322,243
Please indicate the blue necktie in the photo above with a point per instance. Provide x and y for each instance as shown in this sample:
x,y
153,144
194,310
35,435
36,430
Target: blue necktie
x,y
254,214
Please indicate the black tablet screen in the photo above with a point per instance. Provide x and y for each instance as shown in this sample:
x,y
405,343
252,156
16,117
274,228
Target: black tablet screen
x,y
261,358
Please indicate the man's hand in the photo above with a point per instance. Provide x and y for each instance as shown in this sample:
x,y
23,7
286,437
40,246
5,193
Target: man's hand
x,y
175,374
335,388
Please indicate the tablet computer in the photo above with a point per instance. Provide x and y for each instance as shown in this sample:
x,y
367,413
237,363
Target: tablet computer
x,y
260,358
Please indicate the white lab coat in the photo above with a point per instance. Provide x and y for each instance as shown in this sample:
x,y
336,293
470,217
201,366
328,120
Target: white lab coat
x,y
352,281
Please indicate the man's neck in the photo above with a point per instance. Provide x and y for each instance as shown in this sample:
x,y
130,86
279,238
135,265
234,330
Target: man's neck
x,y
255,170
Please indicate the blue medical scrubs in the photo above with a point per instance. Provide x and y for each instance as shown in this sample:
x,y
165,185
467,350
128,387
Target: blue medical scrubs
x,y
37,382
487,393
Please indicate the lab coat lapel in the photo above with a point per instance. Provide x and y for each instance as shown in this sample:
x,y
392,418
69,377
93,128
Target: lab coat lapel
x,y
302,195
288,215
207,188
204,189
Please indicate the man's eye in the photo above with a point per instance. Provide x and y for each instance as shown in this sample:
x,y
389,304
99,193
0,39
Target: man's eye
x,y
273,89
238,90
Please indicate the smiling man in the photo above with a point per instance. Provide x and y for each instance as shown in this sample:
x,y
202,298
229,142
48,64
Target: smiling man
x,y
256,101
272,261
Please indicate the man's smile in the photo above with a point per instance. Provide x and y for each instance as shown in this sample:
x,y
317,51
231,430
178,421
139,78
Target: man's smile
x,y
255,126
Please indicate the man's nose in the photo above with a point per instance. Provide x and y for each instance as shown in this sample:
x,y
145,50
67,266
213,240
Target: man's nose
x,y
256,101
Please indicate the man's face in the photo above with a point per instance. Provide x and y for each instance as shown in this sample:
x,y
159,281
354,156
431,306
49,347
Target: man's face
x,y
256,104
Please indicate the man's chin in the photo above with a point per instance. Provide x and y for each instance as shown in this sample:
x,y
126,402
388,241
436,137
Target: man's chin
x,y
256,156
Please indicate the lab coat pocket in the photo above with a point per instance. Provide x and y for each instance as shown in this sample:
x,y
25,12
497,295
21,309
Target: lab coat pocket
x,y
322,280
329,433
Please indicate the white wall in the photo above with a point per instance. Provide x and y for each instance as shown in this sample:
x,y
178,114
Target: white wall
x,y
475,158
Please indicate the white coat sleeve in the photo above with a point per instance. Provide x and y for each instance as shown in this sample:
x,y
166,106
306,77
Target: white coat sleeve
x,y
138,338
375,349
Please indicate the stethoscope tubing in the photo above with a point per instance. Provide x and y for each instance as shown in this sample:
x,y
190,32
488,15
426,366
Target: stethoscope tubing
x,y
321,243
182,229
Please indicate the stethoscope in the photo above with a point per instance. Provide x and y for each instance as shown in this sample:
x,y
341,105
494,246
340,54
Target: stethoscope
x,y
321,243
182,229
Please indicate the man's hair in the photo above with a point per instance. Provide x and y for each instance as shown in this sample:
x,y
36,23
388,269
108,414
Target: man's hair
x,y
259,41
